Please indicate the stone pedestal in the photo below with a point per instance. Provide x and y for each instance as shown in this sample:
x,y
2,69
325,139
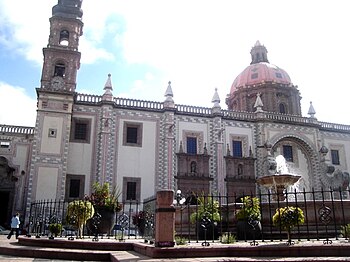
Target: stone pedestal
x,y
165,217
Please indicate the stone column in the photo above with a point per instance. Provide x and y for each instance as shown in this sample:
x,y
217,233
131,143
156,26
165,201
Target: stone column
x,y
165,219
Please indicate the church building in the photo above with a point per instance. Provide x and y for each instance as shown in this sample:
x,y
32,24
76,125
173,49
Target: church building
x,y
145,146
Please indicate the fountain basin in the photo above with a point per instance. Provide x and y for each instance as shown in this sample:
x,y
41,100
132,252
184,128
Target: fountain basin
x,y
278,183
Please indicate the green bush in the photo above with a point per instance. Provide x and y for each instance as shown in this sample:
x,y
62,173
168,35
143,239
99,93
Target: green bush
x,y
55,229
250,209
227,238
345,231
79,212
207,207
180,240
288,217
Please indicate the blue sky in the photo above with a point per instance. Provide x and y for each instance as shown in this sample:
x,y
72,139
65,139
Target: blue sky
x,y
198,45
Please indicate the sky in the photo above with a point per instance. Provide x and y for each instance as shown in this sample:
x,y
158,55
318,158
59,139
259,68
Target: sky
x,y
198,45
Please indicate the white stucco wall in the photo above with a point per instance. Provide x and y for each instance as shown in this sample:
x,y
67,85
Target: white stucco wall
x,y
133,161
46,183
51,145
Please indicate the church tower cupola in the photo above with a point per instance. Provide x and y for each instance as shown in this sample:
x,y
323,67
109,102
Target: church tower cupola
x,y
61,56
259,53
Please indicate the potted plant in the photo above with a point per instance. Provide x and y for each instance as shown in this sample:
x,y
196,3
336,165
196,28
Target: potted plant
x,y
206,216
55,229
78,212
106,204
139,220
288,217
248,219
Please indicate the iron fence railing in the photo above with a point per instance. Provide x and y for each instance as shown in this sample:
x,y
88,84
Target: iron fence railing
x,y
46,212
325,215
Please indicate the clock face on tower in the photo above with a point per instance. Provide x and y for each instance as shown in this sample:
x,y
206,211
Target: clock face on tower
x,y
57,83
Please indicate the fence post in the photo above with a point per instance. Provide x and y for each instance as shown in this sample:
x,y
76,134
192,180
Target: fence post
x,y
165,219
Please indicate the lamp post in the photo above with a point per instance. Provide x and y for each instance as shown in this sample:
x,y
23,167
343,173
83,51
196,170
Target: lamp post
x,y
179,201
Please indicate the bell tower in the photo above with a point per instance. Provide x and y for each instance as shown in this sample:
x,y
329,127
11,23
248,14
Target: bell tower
x,y
48,170
61,56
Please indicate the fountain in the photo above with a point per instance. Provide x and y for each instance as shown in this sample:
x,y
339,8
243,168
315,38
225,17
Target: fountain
x,y
279,178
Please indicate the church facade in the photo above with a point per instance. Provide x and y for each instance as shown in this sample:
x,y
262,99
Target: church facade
x,y
146,146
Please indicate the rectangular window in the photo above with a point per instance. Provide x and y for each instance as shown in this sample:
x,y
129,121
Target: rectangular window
x,y
288,153
335,157
192,145
74,188
131,189
80,131
75,185
237,148
132,134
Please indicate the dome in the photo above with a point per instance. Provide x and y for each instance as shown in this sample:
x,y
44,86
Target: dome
x,y
260,71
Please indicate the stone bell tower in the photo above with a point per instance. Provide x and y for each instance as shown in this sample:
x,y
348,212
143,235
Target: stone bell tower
x,y
55,103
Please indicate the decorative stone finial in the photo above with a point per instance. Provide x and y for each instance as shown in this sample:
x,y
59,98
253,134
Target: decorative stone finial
x,y
258,103
169,101
216,101
108,87
311,111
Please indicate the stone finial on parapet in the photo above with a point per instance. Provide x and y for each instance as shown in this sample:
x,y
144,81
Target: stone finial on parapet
x,y
169,101
216,100
108,96
165,217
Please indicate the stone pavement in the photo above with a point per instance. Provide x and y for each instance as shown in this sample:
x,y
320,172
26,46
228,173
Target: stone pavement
x,y
126,256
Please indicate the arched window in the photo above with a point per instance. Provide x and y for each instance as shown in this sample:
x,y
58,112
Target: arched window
x,y
64,38
282,108
60,69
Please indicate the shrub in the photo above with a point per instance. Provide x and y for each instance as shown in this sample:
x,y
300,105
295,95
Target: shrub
x,y
250,209
207,207
55,229
288,217
227,238
345,231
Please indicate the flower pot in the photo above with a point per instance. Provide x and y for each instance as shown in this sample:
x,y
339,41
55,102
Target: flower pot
x,y
246,231
104,224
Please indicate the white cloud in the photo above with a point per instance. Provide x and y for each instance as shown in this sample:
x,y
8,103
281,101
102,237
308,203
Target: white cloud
x,y
200,45
16,107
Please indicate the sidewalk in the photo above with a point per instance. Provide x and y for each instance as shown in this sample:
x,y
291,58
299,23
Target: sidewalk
x,y
14,248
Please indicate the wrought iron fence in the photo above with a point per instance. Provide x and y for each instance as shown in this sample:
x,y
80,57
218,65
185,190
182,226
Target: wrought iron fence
x,y
324,215
72,215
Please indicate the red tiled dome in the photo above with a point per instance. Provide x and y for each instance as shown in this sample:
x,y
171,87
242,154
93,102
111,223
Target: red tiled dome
x,y
260,73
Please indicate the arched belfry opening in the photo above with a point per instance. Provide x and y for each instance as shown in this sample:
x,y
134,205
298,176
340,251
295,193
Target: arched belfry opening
x,y
64,38
60,69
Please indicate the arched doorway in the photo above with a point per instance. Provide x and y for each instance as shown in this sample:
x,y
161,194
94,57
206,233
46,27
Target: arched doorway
x,y
7,191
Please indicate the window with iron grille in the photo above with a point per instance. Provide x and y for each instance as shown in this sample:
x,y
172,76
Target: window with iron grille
x,y
131,189
75,186
192,145
80,131
237,148
335,157
288,153
132,135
